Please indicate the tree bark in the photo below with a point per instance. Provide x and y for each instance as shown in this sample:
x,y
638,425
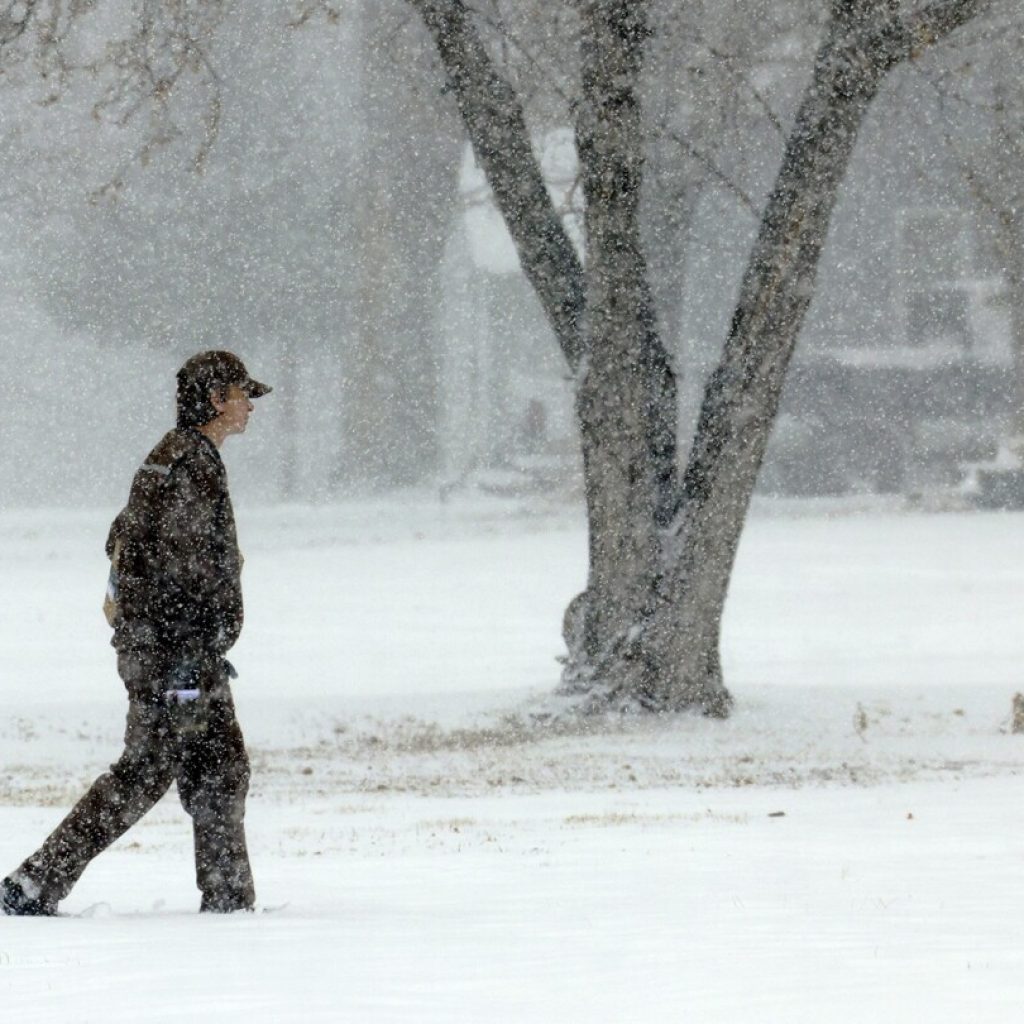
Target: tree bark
x,y
626,396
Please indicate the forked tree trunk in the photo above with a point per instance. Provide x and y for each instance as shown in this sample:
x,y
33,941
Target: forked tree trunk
x,y
672,661
646,631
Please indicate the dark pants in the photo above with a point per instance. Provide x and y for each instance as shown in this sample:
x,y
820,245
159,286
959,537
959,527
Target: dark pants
x,y
199,745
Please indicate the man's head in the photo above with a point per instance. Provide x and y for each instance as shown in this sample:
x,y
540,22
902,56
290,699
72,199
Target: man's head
x,y
213,384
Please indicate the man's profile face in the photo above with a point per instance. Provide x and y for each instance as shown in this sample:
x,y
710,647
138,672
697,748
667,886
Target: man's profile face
x,y
233,406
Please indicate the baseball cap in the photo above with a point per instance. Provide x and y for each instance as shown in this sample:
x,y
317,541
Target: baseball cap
x,y
219,369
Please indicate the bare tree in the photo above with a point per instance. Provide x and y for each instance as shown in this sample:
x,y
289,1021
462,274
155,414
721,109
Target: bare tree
x,y
662,545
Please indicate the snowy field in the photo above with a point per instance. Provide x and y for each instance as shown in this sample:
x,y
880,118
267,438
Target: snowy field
x,y
848,847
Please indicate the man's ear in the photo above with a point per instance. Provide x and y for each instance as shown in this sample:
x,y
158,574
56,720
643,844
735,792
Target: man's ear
x,y
218,399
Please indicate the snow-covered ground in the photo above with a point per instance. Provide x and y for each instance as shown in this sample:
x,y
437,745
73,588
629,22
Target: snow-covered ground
x,y
847,847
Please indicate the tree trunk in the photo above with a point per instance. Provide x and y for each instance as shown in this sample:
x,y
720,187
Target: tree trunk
x,y
646,631
671,661
626,395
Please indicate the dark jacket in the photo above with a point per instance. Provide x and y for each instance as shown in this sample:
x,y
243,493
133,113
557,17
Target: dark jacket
x,y
176,554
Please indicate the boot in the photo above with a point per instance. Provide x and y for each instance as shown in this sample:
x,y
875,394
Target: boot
x,y
24,899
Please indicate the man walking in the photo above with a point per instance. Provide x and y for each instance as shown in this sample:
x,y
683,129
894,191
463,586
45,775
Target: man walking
x,y
175,603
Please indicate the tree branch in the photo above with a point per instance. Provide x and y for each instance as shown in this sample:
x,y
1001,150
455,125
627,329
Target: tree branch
x,y
907,37
15,17
706,161
740,75
497,130
535,63
937,20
